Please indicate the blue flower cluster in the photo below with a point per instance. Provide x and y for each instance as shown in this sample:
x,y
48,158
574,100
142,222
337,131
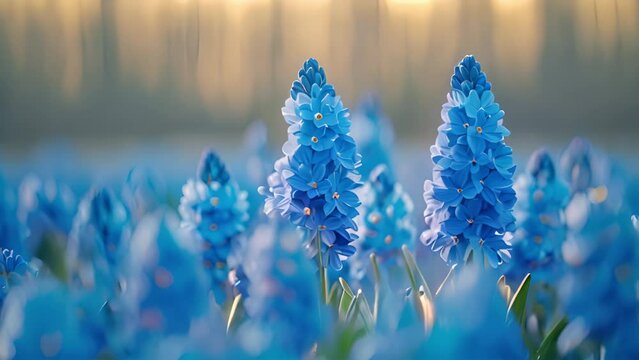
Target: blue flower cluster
x,y
600,247
470,199
313,183
13,270
216,211
282,293
47,208
166,287
387,217
542,197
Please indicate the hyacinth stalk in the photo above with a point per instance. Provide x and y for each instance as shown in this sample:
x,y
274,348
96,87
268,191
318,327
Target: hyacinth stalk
x,y
313,183
470,198
215,210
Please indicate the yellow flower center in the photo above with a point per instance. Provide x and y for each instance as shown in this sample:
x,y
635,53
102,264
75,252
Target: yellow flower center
x,y
213,227
314,185
219,265
314,139
479,130
538,239
215,201
466,125
481,242
335,195
388,239
459,191
307,211
322,227
470,221
319,116
375,218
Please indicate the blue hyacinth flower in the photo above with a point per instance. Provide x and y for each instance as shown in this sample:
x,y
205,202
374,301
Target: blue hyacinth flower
x,y
386,222
14,270
215,210
542,199
166,285
470,198
312,184
599,251
47,209
101,228
143,192
284,297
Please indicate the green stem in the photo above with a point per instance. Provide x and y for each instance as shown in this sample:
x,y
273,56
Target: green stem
x,y
322,271
378,281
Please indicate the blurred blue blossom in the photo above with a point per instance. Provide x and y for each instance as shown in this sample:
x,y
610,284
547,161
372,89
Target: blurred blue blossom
x,y
542,198
312,184
257,166
166,285
40,321
373,132
215,210
284,296
13,271
47,209
386,221
11,233
143,192
470,320
97,242
470,198
600,249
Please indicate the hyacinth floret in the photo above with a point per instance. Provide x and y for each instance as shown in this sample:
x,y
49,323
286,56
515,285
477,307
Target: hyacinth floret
x,y
542,198
313,184
470,199
215,210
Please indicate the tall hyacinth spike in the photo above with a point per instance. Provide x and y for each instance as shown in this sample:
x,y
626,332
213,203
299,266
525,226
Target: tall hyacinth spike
x,y
215,210
101,227
313,183
542,198
387,218
470,199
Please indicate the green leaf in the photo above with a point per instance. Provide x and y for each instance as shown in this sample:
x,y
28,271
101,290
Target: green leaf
x,y
548,347
334,295
417,279
517,305
346,300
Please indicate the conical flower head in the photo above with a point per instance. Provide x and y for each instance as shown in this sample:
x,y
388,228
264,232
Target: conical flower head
x,y
313,183
215,211
212,169
542,198
101,227
468,76
470,199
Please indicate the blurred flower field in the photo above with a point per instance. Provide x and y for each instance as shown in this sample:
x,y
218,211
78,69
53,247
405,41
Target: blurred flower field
x,y
319,251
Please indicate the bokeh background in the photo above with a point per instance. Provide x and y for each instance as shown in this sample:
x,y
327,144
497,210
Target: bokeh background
x,y
111,83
